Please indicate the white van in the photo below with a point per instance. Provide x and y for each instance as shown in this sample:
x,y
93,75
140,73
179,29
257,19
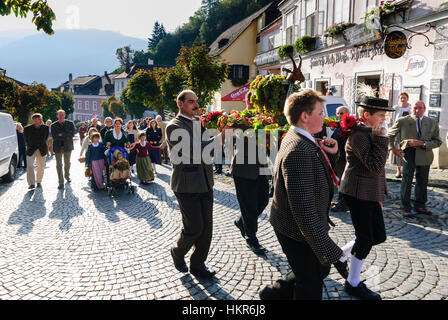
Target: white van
x,y
9,151
330,105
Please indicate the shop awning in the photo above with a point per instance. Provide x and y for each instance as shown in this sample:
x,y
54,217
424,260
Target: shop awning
x,y
237,95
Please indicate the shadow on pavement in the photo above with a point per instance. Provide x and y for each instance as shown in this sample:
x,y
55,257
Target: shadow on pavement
x,y
66,207
146,211
30,209
211,286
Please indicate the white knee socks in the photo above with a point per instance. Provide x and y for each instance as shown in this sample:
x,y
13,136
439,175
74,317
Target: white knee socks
x,y
354,275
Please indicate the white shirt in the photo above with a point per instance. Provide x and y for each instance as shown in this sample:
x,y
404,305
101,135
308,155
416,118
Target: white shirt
x,y
305,133
180,114
115,136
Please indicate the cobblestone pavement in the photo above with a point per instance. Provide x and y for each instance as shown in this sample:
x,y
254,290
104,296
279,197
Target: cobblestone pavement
x,y
78,244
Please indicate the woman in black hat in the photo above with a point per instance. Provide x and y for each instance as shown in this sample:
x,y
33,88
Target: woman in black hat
x,y
363,187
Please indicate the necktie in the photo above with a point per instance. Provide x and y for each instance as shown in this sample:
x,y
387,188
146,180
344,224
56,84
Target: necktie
x,y
333,175
419,126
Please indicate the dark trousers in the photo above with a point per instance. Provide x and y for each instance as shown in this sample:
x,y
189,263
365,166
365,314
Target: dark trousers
x,y
307,272
421,181
22,158
197,219
253,197
367,219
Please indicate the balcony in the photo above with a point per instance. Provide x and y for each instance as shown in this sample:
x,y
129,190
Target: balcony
x,y
267,58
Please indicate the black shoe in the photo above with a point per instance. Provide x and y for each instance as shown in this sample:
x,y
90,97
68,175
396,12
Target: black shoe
x,y
339,207
39,185
61,186
31,187
342,268
179,264
361,291
239,226
255,246
269,293
203,272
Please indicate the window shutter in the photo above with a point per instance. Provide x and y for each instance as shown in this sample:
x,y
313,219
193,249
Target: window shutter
x,y
246,72
231,72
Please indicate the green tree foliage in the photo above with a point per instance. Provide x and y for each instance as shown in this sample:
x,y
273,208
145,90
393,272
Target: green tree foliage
x,y
67,102
51,106
9,94
43,15
117,109
135,109
158,33
143,88
124,56
207,23
31,99
174,82
105,107
205,74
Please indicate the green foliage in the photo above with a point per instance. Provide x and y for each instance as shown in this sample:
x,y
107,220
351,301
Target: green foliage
x,y
285,51
67,102
205,74
305,44
43,15
117,109
31,99
269,92
174,82
158,33
105,106
51,106
207,23
124,56
337,29
134,109
143,87
9,94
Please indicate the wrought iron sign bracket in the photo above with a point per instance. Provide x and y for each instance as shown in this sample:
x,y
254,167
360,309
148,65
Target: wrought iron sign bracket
x,y
414,33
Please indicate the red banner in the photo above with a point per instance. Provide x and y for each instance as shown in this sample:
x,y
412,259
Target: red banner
x,y
237,95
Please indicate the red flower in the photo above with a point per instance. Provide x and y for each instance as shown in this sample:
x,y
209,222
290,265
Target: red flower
x,y
347,121
333,124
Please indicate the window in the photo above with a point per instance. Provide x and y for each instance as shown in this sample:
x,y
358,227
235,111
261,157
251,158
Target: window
x,y
87,105
239,74
271,42
341,11
290,28
310,13
79,104
95,106
79,117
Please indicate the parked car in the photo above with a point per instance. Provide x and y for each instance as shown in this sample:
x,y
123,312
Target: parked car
x,y
330,105
9,151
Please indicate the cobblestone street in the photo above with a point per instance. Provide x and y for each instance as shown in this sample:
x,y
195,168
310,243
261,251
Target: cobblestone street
x,y
79,244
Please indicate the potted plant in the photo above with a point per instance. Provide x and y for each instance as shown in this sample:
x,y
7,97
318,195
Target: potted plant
x,y
305,44
336,30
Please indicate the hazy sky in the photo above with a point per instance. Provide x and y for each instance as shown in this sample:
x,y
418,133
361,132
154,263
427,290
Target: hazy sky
x,y
130,17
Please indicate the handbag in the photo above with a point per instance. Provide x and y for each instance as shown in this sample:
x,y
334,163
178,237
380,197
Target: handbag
x,y
82,159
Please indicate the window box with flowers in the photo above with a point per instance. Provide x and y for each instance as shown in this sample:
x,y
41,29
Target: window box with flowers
x,y
305,44
387,8
334,34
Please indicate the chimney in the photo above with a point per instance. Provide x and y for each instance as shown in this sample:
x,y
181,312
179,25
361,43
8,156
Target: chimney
x,y
106,75
70,77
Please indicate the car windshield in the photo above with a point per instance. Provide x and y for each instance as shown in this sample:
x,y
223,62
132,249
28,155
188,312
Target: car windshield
x,y
331,109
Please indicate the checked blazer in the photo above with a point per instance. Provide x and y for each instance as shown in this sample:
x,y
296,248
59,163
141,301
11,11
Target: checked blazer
x,y
303,189
364,176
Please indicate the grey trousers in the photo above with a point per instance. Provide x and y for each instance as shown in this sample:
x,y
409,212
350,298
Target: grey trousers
x,y
66,155
421,179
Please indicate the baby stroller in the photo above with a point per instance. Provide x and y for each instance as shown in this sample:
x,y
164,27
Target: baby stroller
x,y
121,178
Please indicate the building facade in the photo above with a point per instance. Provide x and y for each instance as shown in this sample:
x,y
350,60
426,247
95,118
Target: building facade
x,y
339,64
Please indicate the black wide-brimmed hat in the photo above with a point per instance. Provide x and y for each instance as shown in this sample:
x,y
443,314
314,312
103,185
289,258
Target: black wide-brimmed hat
x,y
375,104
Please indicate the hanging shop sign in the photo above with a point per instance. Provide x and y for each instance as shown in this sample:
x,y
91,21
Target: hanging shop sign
x,y
354,54
434,100
415,65
364,32
436,85
395,44
434,115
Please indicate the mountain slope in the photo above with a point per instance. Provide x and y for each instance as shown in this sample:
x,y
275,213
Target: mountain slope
x,y
49,59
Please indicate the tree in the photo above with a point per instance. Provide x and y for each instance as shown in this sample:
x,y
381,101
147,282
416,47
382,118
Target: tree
x,y
117,109
105,107
206,74
135,109
158,33
51,106
174,82
67,102
9,94
124,56
30,99
43,15
143,88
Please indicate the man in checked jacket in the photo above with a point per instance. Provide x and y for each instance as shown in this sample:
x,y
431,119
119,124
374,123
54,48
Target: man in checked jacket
x,y
303,189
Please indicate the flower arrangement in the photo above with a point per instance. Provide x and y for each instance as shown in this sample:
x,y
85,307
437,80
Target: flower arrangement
x,y
121,164
347,124
305,44
337,28
209,120
383,8
269,92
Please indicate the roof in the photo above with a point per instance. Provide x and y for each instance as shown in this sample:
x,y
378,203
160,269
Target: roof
x,y
137,66
82,80
234,32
